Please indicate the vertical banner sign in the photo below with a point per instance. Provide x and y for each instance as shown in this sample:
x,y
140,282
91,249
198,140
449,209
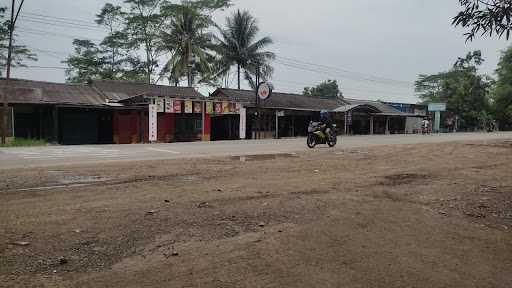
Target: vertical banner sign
x,y
153,123
232,108
225,107
177,106
209,107
159,104
168,105
238,108
197,107
188,106
218,108
243,122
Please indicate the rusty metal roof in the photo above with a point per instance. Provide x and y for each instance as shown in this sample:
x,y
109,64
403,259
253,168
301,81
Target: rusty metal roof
x,y
98,93
120,90
38,92
279,100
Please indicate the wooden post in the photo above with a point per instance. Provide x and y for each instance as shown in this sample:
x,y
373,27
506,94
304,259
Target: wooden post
x,y
40,122
346,124
387,125
142,131
277,124
56,125
371,125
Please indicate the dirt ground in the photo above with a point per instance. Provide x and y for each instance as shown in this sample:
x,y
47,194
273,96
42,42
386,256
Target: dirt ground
x,y
432,215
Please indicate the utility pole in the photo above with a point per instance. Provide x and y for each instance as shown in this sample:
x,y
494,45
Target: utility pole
x,y
8,73
190,60
258,116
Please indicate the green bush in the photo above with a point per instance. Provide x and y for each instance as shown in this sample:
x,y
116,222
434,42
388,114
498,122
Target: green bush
x,y
22,142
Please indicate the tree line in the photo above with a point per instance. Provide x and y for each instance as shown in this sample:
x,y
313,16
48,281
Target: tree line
x,y
143,34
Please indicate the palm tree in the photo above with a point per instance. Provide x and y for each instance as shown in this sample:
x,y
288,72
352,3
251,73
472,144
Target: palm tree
x,y
189,44
237,46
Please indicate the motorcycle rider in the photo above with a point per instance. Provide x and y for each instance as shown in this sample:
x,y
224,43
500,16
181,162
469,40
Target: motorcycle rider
x,y
325,122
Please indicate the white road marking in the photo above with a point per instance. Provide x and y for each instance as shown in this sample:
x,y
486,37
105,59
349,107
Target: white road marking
x,y
163,150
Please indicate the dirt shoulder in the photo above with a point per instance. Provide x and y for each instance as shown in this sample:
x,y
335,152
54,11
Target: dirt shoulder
x,y
430,215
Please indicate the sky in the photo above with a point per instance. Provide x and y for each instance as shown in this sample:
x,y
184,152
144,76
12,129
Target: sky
x,y
375,49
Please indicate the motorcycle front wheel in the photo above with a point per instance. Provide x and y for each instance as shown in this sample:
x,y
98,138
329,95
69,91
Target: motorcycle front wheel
x,y
311,142
332,141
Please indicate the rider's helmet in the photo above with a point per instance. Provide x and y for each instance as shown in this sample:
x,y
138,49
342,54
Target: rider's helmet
x,y
324,115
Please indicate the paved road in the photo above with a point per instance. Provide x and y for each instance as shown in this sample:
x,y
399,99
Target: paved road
x,y
57,155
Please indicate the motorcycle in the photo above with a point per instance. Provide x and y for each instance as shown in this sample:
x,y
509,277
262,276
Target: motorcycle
x,y
317,136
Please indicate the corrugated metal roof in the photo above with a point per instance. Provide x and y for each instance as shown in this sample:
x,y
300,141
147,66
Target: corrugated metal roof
x,y
38,92
99,93
383,108
279,100
119,90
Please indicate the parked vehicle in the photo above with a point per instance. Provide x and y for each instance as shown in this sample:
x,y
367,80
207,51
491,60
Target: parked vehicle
x,y
319,134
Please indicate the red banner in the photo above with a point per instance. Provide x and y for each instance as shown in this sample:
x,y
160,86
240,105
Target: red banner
x,y
218,108
177,106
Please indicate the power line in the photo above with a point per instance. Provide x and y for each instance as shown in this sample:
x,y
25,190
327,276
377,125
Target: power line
x,y
57,34
347,89
371,77
42,67
61,24
335,75
58,18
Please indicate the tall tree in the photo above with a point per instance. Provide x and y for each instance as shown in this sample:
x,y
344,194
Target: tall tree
x,y
464,90
503,91
327,88
114,44
237,46
20,53
187,40
143,24
485,17
85,64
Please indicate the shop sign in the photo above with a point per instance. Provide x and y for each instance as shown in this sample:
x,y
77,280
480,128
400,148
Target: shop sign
x,y
153,123
232,108
218,108
209,107
243,122
159,104
198,107
169,105
225,107
264,90
177,106
238,108
188,106
437,107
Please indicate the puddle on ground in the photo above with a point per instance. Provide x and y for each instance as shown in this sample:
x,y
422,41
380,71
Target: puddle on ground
x,y
263,157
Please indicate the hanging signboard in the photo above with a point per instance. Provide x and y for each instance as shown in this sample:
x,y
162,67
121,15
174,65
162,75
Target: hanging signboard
x,y
243,122
264,90
225,107
437,107
238,108
153,123
209,107
218,108
188,106
168,105
198,107
160,104
177,106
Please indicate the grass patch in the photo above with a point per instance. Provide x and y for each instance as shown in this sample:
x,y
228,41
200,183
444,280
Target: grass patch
x,y
22,142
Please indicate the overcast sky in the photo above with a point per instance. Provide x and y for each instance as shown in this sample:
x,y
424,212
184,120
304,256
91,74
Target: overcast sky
x,y
374,48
